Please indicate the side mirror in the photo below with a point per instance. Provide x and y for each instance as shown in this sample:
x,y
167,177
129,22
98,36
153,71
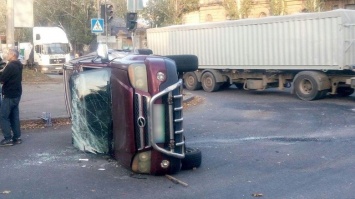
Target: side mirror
x,y
102,52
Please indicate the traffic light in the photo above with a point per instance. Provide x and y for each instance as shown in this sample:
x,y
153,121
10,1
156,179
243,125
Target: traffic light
x,y
107,12
131,21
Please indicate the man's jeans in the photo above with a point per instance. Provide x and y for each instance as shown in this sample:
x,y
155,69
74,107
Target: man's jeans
x,y
10,117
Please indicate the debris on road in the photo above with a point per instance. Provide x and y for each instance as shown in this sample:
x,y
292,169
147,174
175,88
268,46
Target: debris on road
x,y
257,195
176,181
5,192
194,102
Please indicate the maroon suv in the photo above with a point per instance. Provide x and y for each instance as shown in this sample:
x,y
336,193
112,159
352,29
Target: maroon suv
x,y
130,105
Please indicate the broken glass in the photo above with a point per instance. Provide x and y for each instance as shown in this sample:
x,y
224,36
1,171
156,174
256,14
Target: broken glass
x,y
91,110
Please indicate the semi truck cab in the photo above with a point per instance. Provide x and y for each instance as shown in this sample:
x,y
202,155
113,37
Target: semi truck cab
x,y
51,49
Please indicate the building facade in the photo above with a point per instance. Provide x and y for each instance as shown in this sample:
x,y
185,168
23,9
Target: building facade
x,y
214,10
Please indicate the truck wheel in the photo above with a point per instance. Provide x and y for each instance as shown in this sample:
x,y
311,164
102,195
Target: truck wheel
x,y
193,159
345,91
209,83
306,87
191,82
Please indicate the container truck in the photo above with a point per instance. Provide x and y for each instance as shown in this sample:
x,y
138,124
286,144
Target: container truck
x,y
50,49
313,53
130,106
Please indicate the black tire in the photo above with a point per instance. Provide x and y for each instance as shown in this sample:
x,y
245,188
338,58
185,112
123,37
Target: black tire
x,y
191,82
306,87
345,91
185,63
175,166
193,159
209,83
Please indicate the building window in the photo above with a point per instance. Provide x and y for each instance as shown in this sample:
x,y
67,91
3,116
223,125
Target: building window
x,y
262,14
209,17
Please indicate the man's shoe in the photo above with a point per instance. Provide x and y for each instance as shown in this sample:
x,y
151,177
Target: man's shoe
x,y
17,141
6,142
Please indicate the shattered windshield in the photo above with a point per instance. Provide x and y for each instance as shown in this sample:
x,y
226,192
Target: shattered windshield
x,y
91,110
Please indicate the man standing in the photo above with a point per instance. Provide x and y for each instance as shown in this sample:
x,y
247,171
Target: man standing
x,y
11,79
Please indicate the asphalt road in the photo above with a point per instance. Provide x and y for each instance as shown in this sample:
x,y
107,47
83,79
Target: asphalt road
x,y
272,143
268,144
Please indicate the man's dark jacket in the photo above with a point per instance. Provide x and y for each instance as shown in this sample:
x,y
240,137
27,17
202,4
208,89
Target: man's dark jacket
x,y
11,79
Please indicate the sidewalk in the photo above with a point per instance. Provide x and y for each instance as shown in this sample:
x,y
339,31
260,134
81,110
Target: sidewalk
x,y
43,97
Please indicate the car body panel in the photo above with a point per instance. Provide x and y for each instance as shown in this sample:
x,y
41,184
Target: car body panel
x,y
110,116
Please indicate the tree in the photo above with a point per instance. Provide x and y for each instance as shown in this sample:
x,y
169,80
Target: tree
x,y
238,9
2,17
231,8
74,16
168,12
277,7
71,15
314,5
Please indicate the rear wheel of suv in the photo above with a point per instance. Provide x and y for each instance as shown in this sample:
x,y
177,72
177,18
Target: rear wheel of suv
x,y
193,159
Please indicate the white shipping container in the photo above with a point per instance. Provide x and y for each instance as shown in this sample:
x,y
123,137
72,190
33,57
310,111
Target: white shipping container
x,y
305,41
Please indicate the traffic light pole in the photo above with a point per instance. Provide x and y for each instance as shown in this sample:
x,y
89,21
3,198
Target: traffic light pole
x,y
133,40
106,23
133,31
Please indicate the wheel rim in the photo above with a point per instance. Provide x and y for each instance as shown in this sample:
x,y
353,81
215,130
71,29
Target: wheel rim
x,y
208,82
190,80
306,86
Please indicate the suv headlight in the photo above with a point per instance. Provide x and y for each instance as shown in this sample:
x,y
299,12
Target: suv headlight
x,y
138,76
141,162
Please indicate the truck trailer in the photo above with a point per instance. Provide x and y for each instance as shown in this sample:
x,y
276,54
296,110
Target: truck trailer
x,y
313,53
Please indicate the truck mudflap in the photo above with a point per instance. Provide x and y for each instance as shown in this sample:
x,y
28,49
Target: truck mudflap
x,y
176,148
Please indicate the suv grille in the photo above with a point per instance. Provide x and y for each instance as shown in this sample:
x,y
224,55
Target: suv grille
x,y
140,124
172,100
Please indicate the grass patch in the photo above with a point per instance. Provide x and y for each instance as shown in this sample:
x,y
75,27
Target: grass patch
x,y
31,76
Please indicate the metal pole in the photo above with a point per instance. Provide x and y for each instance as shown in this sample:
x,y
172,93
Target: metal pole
x,y
98,14
98,8
106,22
133,35
133,40
10,29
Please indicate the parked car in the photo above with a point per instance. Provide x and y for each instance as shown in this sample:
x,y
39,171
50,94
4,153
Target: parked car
x,y
129,105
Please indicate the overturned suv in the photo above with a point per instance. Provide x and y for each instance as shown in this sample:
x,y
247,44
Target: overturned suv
x,y
130,106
